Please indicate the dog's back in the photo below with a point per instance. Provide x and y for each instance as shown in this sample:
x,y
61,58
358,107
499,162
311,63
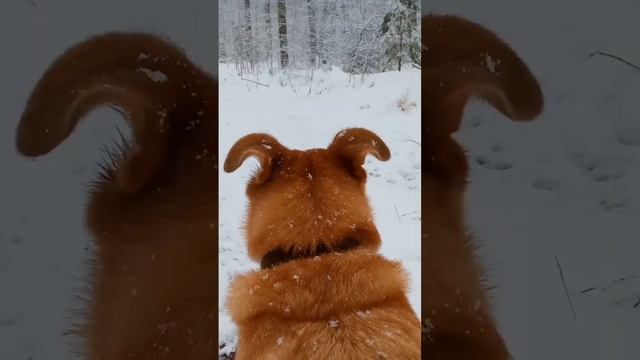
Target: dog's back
x,y
323,291
461,60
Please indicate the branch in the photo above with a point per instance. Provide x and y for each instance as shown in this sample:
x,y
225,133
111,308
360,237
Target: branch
x,y
564,284
255,82
628,63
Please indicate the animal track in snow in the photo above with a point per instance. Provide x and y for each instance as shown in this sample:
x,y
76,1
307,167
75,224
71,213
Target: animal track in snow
x,y
629,137
374,172
497,148
493,164
547,184
613,205
601,168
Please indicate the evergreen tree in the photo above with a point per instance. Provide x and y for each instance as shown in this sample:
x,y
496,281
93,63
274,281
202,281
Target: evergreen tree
x,y
399,34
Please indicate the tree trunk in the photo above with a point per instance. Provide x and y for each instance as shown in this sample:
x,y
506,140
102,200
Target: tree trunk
x,y
282,33
313,33
401,52
269,32
247,44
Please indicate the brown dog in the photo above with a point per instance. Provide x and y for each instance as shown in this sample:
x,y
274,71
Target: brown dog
x,y
153,210
461,60
323,291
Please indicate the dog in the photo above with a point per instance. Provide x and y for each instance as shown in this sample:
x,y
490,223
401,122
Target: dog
x,y
323,291
153,207
461,60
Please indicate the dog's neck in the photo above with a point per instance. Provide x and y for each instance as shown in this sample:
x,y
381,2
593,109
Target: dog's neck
x,y
278,256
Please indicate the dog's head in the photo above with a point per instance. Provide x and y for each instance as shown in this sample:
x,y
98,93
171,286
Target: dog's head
x,y
307,202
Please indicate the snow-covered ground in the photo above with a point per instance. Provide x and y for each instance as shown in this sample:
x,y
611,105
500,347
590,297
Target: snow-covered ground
x,y
306,114
567,185
43,242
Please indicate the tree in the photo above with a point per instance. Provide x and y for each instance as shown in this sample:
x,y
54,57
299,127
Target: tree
x,y
313,33
399,34
268,32
282,33
247,42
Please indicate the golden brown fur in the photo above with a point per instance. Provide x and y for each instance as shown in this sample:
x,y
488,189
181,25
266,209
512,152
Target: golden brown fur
x,y
153,212
344,304
461,60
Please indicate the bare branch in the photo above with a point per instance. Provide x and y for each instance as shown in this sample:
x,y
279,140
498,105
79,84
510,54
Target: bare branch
x,y
566,290
255,82
630,64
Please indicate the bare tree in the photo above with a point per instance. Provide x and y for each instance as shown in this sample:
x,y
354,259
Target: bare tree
x,y
269,33
247,41
282,33
313,33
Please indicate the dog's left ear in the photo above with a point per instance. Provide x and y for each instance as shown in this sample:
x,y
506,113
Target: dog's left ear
x,y
264,147
354,144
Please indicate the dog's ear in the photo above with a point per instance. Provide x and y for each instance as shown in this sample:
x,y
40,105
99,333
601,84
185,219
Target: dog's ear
x,y
264,147
112,69
463,60
354,144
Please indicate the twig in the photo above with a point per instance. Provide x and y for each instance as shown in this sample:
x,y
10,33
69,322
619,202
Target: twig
x,y
610,284
564,284
615,58
409,213
255,82
397,214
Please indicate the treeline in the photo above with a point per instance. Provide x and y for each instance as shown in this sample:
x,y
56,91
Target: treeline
x,y
359,36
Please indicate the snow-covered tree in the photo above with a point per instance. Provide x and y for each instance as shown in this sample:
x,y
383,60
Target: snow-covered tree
x,y
400,36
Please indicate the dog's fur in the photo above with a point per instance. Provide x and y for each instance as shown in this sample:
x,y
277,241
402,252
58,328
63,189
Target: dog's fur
x,y
323,292
461,60
153,209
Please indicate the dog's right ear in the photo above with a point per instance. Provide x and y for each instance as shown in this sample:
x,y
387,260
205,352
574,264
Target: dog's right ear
x,y
354,144
463,60
264,147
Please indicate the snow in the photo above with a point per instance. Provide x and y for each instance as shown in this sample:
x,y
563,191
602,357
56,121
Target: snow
x,y
157,76
304,115
565,185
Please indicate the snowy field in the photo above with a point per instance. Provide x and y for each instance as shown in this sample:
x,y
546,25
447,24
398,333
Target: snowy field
x,y
567,185
304,114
